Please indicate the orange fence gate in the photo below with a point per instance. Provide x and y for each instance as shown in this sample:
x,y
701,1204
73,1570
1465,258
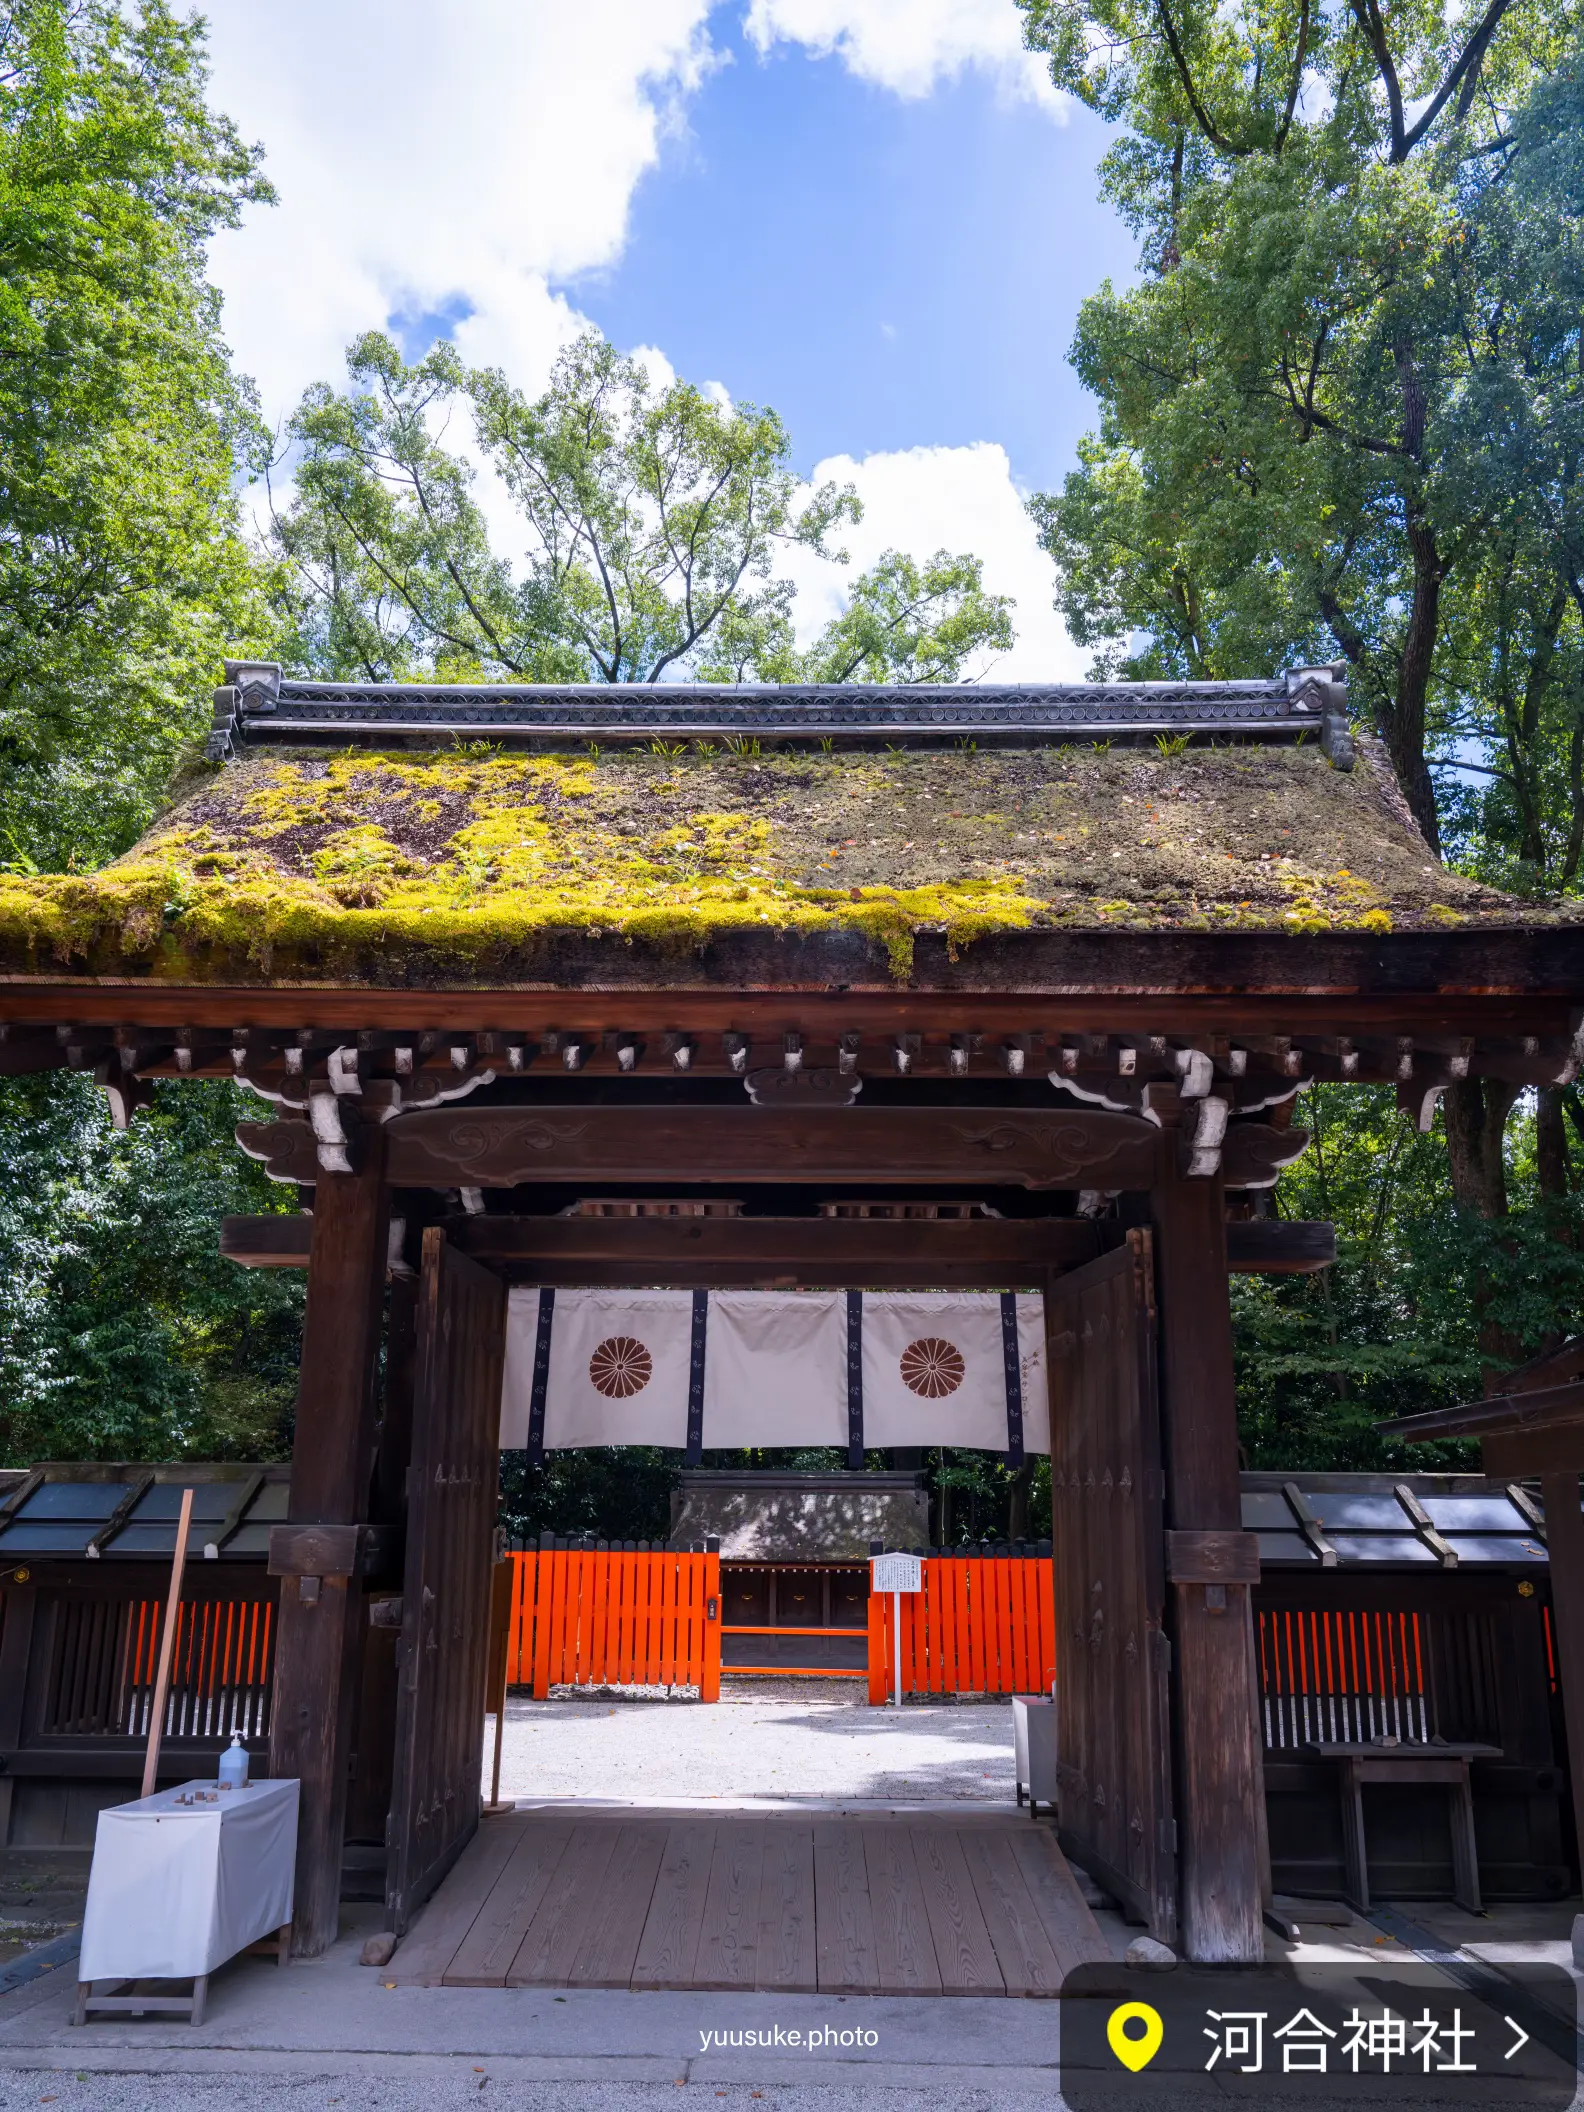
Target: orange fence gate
x,y
981,1625
595,1617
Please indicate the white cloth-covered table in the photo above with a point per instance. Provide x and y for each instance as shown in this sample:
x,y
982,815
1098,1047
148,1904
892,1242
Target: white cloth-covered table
x,y
177,1889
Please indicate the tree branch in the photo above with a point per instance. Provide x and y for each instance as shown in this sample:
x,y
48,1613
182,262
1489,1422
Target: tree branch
x,y
1207,124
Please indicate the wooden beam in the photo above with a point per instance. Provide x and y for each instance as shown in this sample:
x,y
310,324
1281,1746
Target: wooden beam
x,y
1553,1369
319,1640
1221,1789
1547,1410
1509,984
1518,1456
1274,1246
817,1253
500,1147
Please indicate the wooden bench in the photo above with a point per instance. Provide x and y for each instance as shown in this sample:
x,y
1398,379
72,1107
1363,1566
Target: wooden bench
x,y
1432,1765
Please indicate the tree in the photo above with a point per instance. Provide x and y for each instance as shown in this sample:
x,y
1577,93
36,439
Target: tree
x,y
1513,663
1421,1290
122,573
1311,400
652,515
123,1334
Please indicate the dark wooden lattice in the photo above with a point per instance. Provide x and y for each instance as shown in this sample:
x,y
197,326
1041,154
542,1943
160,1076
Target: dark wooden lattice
x,y
1113,1732
451,1502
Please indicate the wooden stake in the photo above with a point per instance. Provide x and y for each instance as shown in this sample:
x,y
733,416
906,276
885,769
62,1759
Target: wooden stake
x,y
501,1581
167,1646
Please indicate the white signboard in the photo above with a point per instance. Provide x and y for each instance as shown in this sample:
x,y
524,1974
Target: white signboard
x,y
897,1573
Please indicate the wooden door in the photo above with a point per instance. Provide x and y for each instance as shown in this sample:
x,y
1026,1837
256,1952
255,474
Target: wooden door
x,y
451,1503
1113,1726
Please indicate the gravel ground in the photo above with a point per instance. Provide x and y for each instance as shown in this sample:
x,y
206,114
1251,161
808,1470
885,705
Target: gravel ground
x,y
239,2091
757,1744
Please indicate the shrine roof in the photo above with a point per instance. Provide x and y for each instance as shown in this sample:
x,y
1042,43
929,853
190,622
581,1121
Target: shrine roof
x,y
451,861
90,1508
1327,1521
767,1516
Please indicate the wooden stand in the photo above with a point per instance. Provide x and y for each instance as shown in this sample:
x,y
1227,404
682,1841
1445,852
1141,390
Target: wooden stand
x,y
1438,1766
117,2002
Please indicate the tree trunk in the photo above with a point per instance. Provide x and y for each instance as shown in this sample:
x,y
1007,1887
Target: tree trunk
x,y
1405,727
1476,1111
1404,730
1551,1147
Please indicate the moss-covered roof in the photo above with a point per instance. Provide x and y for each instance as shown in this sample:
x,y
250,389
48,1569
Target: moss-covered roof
x,y
470,865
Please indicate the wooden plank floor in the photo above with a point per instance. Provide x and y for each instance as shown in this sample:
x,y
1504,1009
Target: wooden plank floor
x,y
896,1904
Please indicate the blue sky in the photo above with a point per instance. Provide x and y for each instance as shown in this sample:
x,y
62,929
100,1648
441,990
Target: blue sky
x,y
885,272
875,215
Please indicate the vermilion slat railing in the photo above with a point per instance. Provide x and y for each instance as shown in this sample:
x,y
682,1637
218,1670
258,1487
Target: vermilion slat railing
x,y
587,1617
981,1625
1341,1677
593,1617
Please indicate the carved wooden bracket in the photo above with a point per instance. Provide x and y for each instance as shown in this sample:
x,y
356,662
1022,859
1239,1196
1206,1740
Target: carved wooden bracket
x,y
800,1088
127,1094
1254,1153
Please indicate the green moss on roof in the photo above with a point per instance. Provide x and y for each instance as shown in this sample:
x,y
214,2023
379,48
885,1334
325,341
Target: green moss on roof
x,y
471,864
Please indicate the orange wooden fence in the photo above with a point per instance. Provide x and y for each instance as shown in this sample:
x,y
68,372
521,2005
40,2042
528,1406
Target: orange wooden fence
x,y
981,1625
592,1617
588,1617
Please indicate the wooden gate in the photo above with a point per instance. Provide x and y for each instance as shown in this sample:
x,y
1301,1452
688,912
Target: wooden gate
x,y
443,1658
1112,1657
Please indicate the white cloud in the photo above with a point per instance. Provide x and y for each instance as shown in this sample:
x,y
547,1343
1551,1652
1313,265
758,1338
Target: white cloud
x,y
436,162
455,165
911,46
924,499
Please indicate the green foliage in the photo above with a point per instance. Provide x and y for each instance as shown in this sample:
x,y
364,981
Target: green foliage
x,y
905,622
1394,1327
653,517
122,426
616,1492
123,1334
1342,410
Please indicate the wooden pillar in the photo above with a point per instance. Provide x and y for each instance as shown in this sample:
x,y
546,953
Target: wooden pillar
x,y
319,1637
1564,1523
1220,1780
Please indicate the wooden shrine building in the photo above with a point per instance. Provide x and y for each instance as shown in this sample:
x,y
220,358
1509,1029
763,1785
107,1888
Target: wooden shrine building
x,y
484,952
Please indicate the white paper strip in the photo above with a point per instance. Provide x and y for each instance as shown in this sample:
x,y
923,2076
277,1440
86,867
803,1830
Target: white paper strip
x,y
775,1369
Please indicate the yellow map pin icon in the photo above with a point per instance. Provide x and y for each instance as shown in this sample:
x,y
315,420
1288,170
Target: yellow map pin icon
x,y
1135,2050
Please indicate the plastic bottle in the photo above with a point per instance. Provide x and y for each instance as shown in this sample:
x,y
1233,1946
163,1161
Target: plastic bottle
x,y
234,1764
